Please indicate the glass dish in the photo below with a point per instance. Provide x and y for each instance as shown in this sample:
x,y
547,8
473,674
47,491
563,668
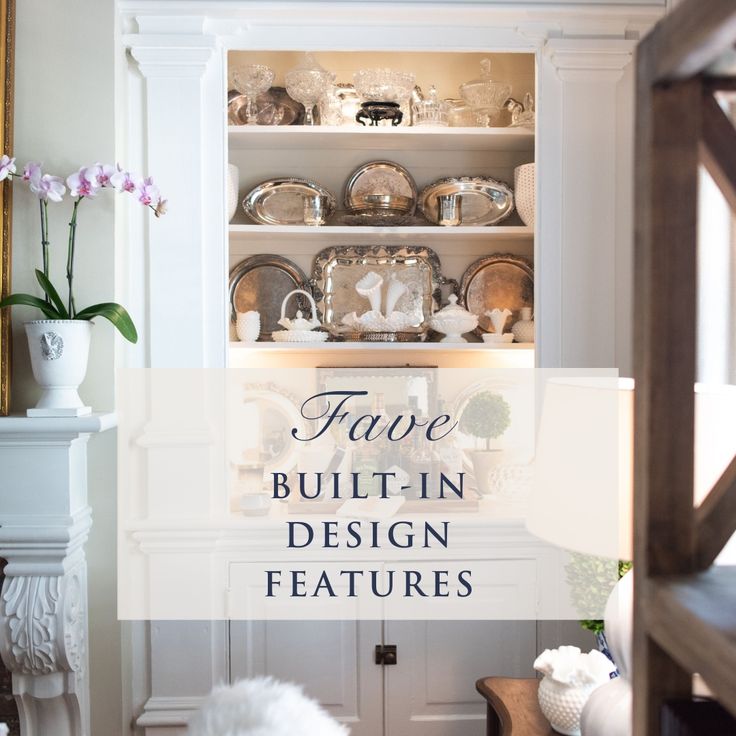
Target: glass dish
x,y
251,80
383,85
486,96
431,110
306,83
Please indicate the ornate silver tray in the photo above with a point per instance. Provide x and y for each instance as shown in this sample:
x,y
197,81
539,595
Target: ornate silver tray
x,y
502,280
338,269
485,201
380,177
260,283
281,201
273,107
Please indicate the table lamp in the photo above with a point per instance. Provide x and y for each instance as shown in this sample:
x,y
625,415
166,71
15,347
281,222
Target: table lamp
x,y
584,471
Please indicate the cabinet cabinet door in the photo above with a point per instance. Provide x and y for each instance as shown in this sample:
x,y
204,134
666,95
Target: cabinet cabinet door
x,y
333,660
431,691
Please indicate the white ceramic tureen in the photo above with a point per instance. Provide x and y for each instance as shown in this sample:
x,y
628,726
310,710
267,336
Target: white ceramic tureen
x,y
453,321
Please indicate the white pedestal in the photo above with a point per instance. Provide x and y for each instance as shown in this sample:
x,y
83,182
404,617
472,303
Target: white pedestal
x,y
44,523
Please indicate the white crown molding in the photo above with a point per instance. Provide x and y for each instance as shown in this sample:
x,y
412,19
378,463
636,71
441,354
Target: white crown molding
x,y
231,21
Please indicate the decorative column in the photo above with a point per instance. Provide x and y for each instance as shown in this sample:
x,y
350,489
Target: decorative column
x,y
44,524
585,154
181,68
176,64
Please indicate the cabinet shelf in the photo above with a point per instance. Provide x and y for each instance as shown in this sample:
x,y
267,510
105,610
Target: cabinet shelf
x,y
326,347
431,235
291,137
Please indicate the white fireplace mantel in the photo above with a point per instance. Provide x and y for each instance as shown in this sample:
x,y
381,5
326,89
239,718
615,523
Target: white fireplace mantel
x,y
44,524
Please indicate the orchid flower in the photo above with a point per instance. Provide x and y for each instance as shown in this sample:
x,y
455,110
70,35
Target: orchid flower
x,y
83,183
161,208
148,193
123,180
32,172
7,167
103,173
48,188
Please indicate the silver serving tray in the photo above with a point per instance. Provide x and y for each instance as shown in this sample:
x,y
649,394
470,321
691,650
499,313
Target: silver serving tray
x,y
337,269
485,201
280,201
260,283
502,281
380,177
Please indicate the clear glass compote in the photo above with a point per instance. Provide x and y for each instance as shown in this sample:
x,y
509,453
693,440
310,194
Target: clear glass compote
x,y
252,80
485,95
306,83
383,85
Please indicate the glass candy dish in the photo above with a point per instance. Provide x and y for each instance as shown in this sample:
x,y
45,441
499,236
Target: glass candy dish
x,y
383,85
486,96
252,80
306,83
431,110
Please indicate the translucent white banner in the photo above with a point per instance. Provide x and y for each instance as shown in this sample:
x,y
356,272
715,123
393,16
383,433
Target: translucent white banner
x,y
382,493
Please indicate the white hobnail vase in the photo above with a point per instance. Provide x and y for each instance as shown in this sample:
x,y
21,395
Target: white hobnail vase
x,y
232,191
562,704
523,330
524,192
248,326
570,677
59,353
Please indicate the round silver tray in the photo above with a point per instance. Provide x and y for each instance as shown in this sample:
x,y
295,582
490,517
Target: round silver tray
x,y
260,283
377,178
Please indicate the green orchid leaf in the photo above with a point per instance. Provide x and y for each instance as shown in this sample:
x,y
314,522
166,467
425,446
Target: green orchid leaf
x,y
28,300
52,294
116,314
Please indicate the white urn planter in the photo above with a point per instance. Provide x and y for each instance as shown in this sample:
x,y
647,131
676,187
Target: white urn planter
x,y
59,353
484,462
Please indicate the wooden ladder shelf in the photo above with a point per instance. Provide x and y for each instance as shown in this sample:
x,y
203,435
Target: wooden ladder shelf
x,y
685,610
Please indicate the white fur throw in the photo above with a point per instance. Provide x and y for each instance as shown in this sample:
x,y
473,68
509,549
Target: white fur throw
x,y
263,707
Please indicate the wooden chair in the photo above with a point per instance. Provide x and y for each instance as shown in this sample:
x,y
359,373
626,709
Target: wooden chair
x,y
513,707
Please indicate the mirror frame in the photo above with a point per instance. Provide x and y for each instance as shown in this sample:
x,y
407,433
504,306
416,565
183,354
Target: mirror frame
x,y
7,58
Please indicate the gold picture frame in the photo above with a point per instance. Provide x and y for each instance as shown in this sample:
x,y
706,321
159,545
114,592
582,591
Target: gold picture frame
x,y
7,54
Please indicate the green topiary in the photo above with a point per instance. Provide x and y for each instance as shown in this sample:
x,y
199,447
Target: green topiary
x,y
486,416
590,580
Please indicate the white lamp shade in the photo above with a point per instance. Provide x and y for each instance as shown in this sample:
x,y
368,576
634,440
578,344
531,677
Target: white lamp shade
x,y
583,484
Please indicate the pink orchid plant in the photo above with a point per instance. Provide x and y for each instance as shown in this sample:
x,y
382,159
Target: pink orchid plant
x,y
83,184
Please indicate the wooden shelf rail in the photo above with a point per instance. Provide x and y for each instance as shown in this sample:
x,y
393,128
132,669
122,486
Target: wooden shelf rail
x,y
685,614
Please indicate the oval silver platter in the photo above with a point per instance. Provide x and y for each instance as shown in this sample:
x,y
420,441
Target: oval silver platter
x,y
380,177
502,281
260,283
485,201
280,201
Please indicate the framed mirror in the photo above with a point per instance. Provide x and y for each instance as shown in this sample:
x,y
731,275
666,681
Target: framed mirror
x,y
7,34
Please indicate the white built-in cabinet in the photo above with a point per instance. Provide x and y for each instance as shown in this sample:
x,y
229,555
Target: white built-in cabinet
x,y
174,58
430,691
